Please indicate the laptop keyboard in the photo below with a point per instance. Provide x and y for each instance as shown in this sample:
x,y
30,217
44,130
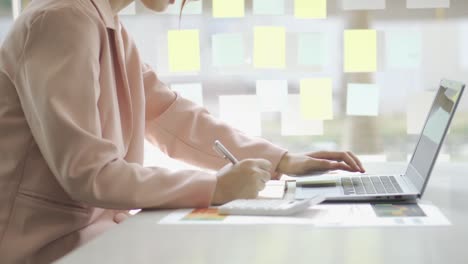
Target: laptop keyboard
x,y
370,185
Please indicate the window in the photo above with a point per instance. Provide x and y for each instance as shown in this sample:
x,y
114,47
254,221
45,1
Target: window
x,y
315,74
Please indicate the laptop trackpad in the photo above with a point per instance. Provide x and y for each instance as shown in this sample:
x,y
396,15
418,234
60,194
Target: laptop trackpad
x,y
309,192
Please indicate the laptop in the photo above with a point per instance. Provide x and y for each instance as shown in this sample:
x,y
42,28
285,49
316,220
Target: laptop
x,y
412,183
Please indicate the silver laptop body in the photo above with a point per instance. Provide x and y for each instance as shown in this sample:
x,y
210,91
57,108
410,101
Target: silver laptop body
x,y
412,184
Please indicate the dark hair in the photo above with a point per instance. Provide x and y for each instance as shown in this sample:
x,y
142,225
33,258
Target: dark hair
x,y
181,8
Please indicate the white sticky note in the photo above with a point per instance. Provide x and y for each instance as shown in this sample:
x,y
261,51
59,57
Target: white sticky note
x,y
190,8
403,49
241,112
269,47
428,3
190,91
272,95
436,124
363,4
228,8
310,8
128,10
418,106
362,99
316,99
268,7
312,49
360,50
227,49
292,124
463,44
184,50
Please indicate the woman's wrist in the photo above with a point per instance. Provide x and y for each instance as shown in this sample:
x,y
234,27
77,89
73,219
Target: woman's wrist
x,y
283,163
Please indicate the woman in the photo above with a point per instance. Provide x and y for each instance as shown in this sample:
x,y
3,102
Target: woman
x,y
76,103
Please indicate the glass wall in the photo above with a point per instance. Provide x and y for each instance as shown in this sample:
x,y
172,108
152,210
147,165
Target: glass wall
x,y
354,75
312,75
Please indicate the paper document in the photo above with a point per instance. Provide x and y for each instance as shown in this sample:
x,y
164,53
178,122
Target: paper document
x,y
273,190
325,215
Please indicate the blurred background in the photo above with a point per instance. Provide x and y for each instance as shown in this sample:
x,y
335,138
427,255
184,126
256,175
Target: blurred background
x,y
309,75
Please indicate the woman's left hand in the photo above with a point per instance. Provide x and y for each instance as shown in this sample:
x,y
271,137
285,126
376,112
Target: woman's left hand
x,y
121,216
300,164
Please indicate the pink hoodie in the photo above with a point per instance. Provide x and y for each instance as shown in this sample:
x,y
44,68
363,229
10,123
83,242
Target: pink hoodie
x,y
76,104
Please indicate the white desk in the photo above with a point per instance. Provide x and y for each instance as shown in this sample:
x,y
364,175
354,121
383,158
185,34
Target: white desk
x,y
141,240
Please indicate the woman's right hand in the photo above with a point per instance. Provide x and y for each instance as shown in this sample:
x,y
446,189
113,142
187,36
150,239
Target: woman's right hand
x,y
241,181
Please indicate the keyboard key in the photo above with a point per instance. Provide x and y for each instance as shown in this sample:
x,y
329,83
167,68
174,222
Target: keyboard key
x,y
379,188
395,184
358,186
347,186
368,185
387,184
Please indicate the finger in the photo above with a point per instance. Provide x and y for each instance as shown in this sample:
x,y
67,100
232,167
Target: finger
x,y
330,165
260,184
260,163
120,217
263,164
264,176
340,166
358,162
341,156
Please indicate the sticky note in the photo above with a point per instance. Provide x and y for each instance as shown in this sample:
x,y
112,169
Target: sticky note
x,y
462,47
427,3
436,125
268,7
269,47
184,50
316,99
129,10
292,123
312,49
190,8
190,91
360,50
362,99
272,95
25,3
403,49
228,8
363,4
227,49
310,8
418,106
241,112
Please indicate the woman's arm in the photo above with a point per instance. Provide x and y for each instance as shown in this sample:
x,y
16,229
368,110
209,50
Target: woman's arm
x,y
58,85
186,131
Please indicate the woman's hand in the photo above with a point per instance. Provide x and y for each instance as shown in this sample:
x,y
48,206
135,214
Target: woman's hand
x,y
300,164
241,181
121,216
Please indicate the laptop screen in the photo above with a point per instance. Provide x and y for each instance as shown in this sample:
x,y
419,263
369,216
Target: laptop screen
x,y
433,133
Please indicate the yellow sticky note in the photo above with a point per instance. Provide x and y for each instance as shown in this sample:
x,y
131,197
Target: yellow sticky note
x,y
184,50
269,47
228,8
316,99
25,3
310,8
360,50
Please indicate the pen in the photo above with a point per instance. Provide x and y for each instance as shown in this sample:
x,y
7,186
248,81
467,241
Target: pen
x,y
222,150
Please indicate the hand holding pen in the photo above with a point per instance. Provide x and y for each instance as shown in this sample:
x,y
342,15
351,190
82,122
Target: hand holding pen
x,y
222,150
240,179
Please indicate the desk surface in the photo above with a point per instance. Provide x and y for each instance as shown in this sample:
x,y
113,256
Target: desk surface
x,y
141,240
